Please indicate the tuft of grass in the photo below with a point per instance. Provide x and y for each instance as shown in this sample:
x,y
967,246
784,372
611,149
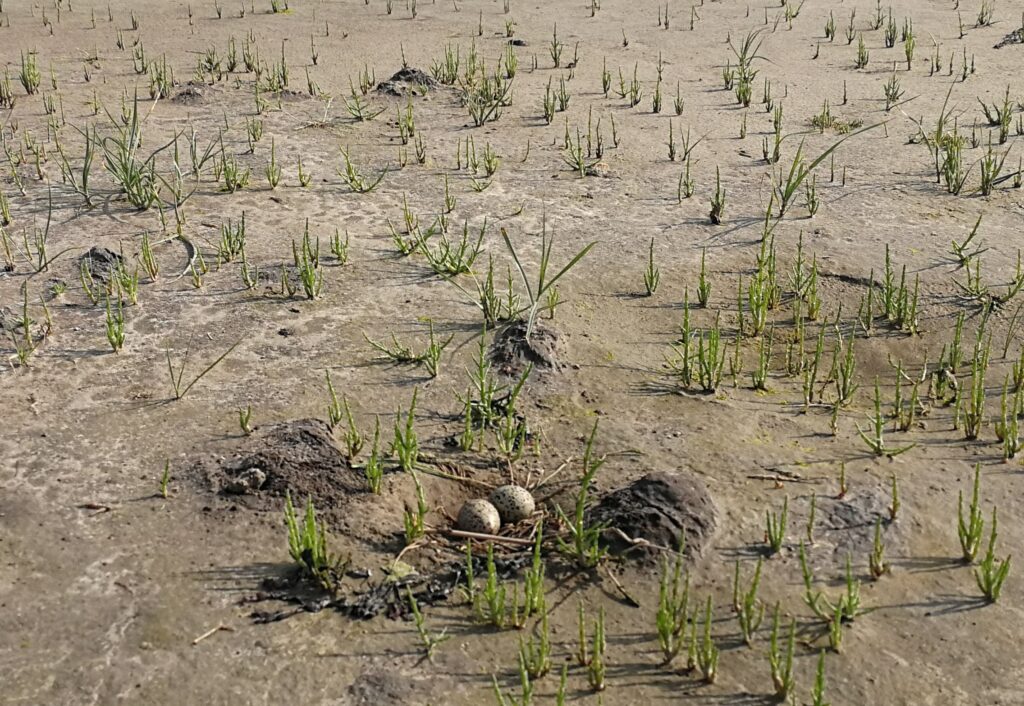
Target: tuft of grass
x,y
134,175
787,184
181,390
544,284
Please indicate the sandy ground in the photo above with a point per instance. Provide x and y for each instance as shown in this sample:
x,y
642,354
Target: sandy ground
x,y
105,584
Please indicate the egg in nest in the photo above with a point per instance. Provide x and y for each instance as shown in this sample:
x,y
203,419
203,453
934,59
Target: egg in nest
x,y
479,516
513,502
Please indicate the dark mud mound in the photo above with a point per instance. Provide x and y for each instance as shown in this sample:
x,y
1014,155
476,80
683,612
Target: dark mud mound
x,y
299,457
190,95
513,351
101,262
657,508
408,81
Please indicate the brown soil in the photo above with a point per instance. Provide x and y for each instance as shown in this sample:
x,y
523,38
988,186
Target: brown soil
x,y
112,593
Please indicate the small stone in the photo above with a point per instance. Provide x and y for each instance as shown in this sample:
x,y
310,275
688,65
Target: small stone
x,y
248,481
479,516
513,502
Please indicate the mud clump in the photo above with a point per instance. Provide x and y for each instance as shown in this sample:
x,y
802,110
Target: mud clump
x,y
657,508
250,480
301,458
408,81
101,263
513,350
190,95
298,457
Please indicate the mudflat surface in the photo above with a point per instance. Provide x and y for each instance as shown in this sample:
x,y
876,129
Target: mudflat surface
x,y
118,588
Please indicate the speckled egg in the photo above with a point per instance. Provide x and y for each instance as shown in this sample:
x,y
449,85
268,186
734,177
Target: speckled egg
x,y
514,503
479,516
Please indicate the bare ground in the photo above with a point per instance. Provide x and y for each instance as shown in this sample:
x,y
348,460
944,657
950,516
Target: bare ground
x,y
106,585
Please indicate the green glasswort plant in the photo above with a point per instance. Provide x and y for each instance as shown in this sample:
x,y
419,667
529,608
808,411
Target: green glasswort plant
x,y
399,353
818,691
585,545
876,561
245,419
991,574
749,610
969,527
307,545
876,441
775,527
535,652
428,641
706,650
29,75
405,446
845,609
115,326
374,469
717,200
311,274
652,276
414,519
781,665
165,480
597,666
673,605
355,180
